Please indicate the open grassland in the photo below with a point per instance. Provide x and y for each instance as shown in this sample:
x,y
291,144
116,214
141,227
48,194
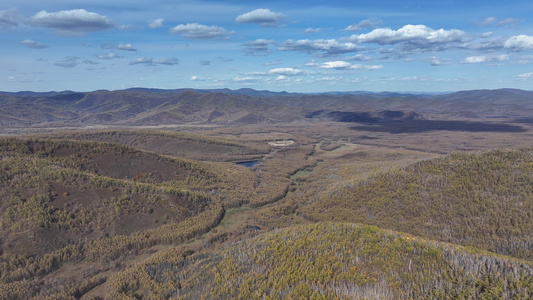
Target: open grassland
x,y
177,144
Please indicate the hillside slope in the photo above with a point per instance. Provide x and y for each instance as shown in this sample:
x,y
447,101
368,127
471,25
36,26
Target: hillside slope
x,y
329,261
145,107
177,144
481,199
72,211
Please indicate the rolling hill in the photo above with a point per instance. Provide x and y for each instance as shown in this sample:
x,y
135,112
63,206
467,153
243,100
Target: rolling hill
x,y
348,196
330,261
142,107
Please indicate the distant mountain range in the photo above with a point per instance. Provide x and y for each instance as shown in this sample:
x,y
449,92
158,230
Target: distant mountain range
x,y
144,106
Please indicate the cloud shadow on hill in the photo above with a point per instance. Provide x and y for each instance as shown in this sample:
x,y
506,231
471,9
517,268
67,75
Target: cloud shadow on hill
x,y
416,126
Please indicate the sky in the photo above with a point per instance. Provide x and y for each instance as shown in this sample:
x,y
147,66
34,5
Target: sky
x,y
295,46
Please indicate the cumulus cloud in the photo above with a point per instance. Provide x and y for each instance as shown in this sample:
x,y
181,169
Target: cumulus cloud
x,y
33,44
313,30
73,61
366,67
368,23
247,79
414,36
126,47
122,47
485,58
357,57
326,47
435,61
71,22
519,43
286,72
492,21
524,76
199,31
109,56
168,61
156,23
130,27
149,61
335,65
343,65
142,61
68,62
258,47
196,78
263,16
9,19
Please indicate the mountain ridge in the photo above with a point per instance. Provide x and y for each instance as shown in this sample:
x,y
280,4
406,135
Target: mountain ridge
x,y
141,106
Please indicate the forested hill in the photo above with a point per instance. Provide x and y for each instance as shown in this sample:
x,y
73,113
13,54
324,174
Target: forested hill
x,y
245,106
330,261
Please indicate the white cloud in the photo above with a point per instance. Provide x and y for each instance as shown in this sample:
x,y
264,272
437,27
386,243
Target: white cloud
x,y
109,56
519,43
313,30
484,58
368,23
366,67
71,22
335,65
196,78
122,47
130,27
199,31
168,61
33,44
258,47
435,61
343,65
263,16
245,79
156,23
142,61
151,62
524,76
9,19
419,36
68,62
73,61
492,21
357,57
286,72
126,47
327,47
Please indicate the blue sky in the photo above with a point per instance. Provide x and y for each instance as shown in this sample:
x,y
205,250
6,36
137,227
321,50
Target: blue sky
x,y
296,46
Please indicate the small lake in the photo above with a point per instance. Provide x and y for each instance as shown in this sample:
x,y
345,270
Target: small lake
x,y
249,164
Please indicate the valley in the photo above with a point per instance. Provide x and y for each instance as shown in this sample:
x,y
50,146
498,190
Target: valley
x,y
351,197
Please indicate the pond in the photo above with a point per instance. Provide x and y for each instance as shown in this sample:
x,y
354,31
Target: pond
x,y
249,163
